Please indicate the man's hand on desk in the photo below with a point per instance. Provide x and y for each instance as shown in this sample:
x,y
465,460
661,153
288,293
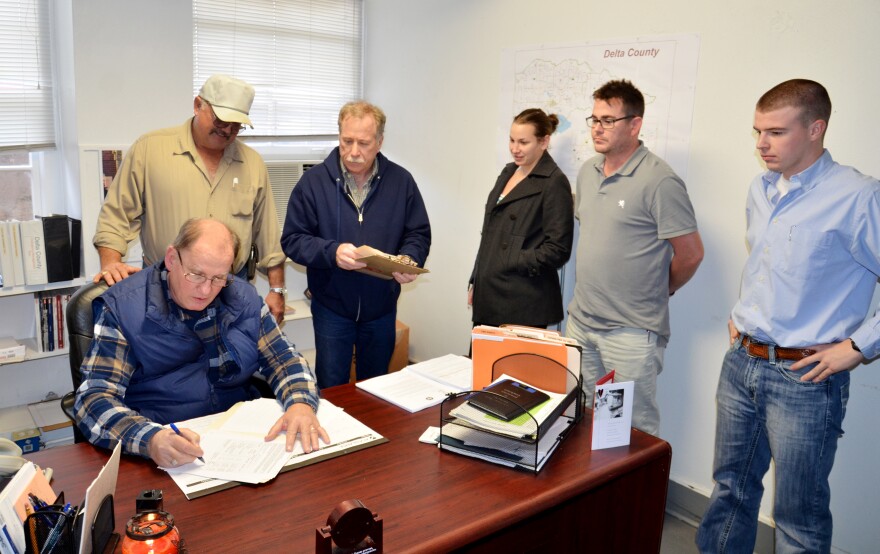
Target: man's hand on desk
x,y
168,449
300,418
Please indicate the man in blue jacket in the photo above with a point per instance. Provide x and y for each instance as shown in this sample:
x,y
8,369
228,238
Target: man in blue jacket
x,y
356,197
181,339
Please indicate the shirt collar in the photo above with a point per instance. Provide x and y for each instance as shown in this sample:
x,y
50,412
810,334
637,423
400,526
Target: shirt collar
x,y
629,166
349,178
188,144
806,179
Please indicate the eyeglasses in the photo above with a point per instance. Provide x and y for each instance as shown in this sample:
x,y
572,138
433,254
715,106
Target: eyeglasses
x,y
198,278
607,122
219,124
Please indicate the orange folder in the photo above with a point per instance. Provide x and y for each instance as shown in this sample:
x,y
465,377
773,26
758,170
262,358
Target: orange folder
x,y
499,350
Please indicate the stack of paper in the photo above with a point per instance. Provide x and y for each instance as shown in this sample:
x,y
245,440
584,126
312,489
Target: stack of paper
x,y
504,451
235,451
424,384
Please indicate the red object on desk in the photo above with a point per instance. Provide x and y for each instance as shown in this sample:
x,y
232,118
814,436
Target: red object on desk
x,y
151,533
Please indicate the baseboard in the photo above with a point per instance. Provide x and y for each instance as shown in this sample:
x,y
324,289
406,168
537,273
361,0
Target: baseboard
x,y
688,505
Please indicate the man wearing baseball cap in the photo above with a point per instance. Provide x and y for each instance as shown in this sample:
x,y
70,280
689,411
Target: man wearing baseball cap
x,y
198,169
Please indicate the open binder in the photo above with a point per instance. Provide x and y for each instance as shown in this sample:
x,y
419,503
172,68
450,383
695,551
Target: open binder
x,y
529,439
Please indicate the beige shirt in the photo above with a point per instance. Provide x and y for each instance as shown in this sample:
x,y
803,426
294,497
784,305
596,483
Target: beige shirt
x,y
163,182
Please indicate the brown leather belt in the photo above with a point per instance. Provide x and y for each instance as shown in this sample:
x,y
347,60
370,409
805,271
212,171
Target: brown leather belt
x,y
762,350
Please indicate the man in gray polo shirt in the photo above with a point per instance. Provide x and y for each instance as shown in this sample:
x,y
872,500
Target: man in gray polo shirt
x,y
638,244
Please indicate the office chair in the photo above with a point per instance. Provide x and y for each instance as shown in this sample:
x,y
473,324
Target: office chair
x,y
80,330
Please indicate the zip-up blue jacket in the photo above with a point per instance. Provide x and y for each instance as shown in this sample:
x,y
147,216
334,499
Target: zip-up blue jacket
x,y
321,216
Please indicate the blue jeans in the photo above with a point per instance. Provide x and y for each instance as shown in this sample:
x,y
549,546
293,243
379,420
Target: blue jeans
x,y
335,336
765,411
634,355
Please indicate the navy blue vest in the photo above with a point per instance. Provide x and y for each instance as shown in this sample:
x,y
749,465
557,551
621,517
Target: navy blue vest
x,y
170,381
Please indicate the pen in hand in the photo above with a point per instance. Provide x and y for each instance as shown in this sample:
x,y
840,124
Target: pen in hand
x,y
176,430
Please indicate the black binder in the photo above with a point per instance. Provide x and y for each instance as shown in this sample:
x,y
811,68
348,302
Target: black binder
x,y
56,238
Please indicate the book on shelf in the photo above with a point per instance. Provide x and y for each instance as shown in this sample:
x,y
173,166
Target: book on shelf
x,y
56,241
33,252
11,350
10,253
50,306
75,230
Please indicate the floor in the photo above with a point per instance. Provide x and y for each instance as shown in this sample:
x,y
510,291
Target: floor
x,y
678,536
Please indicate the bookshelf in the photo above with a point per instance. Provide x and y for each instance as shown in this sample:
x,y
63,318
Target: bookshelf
x,y
18,317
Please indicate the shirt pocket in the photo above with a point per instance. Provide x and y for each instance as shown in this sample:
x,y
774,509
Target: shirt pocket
x,y
242,203
806,253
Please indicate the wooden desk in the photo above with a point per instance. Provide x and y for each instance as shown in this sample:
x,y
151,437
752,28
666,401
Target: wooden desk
x,y
430,501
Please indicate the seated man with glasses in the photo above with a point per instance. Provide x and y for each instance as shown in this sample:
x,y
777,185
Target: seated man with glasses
x,y
198,169
182,339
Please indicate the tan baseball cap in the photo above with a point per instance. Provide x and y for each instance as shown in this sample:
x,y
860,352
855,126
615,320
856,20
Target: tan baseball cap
x,y
231,98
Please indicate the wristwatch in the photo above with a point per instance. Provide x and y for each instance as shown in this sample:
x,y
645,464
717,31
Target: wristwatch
x,y
280,290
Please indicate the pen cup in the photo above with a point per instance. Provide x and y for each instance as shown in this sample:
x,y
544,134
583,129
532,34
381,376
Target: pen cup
x,y
50,529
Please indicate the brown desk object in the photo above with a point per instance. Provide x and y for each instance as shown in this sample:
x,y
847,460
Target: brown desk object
x,y
583,501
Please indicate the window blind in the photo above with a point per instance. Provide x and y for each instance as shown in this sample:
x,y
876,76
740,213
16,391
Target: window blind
x,y
27,103
303,58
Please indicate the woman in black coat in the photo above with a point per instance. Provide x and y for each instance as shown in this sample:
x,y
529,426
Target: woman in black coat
x,y
527,232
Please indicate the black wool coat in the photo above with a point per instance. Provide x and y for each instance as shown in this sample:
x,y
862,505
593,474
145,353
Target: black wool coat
x,y
526,237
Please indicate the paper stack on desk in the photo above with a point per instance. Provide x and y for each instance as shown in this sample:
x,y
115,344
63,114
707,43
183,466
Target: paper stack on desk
x,y
422,385
235,451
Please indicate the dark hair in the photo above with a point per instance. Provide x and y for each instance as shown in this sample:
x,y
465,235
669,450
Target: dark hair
x,y
544,124
631,97
192,230
809,96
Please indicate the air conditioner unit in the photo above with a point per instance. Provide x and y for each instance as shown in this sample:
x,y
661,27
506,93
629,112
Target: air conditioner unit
x,y
283,176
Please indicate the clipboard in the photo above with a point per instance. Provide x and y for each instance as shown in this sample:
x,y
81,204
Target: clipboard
x,y
382,265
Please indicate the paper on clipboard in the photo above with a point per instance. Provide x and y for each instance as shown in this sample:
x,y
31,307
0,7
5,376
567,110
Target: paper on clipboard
x,y
382,265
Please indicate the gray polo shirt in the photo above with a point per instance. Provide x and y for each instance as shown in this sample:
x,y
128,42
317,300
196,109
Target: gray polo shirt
x,y
622,255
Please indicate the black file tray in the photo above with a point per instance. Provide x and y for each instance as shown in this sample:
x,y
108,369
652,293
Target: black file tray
x,y
468,431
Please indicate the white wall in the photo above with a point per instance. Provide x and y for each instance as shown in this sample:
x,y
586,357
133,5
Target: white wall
x,y
434,67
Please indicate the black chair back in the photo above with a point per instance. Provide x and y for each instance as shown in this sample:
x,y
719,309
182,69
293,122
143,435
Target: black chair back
x,y
80,331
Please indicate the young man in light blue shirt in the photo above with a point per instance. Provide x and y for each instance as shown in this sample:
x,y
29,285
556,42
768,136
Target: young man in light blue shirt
x,y
813,228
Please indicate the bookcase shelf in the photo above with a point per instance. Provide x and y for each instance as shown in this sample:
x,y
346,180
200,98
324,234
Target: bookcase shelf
x,y
30,289
19,320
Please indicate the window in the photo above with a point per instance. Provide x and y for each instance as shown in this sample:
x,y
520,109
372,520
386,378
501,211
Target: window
x,y
15,186
27,104
26,90
303,58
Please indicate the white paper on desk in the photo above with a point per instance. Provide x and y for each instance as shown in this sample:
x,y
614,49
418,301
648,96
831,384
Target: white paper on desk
x,y
612,415
422,385
192,484
450,370
250,459
104,484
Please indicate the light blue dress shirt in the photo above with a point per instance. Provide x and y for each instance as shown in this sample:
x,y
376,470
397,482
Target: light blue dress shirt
x,y
814,259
